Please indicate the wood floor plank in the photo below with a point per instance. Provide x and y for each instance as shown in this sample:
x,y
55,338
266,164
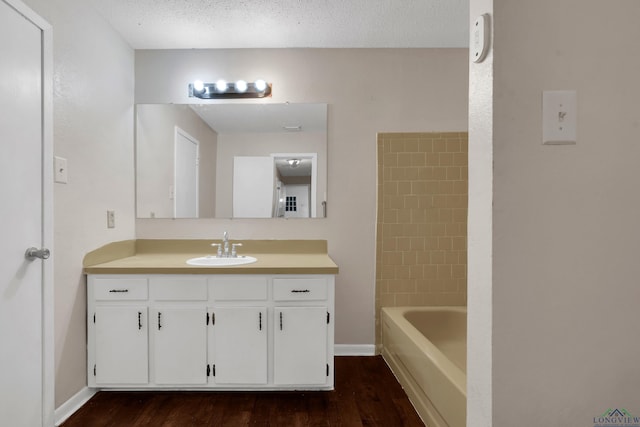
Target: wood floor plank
x,y
366,394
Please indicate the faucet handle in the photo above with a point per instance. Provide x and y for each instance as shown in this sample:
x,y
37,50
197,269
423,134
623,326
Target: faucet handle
x,y
234,254
219,252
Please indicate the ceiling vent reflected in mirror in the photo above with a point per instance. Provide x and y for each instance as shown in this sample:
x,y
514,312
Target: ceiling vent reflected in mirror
x,y
222,89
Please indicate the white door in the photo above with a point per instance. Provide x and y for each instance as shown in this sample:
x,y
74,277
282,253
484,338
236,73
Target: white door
x,y
121,345
186,175
300,345
240,345
253,182
25,373
180,345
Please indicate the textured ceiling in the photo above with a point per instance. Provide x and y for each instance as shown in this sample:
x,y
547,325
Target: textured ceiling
x,y
184,24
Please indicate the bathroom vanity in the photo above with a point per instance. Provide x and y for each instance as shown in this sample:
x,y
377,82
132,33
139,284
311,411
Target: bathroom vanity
x,y
154,321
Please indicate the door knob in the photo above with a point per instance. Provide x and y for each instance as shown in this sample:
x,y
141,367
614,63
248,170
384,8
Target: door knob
x,y
33,253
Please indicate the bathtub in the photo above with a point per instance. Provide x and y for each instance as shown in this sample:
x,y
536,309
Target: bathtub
x,y
426,348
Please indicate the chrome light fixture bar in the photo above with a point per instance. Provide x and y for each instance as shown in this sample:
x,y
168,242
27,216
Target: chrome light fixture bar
x,y
224,90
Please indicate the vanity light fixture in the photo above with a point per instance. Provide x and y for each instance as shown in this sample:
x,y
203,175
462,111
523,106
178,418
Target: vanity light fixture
x,y
294,163
225,90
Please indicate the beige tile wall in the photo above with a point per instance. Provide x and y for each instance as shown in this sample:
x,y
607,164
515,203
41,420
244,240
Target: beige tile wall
x,y
421,243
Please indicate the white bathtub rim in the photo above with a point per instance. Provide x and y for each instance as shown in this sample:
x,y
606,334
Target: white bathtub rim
x,y
449,369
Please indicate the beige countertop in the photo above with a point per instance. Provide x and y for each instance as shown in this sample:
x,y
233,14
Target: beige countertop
x,y
170,257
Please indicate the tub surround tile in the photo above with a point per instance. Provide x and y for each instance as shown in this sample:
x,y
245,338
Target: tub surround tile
x,y
422,219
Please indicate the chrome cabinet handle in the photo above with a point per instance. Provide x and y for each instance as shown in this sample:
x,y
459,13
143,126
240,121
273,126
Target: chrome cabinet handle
x,y
33,253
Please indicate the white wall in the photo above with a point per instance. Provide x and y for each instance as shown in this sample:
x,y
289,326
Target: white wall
x,y
565,218
93,129
430,94
479,234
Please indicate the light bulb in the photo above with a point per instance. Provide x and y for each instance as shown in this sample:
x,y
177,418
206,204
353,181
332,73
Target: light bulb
x,y
241,86
221,86
260,85
198,85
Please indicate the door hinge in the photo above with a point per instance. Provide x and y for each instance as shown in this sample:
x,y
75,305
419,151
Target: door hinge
x,y
94,370
327,369
328,317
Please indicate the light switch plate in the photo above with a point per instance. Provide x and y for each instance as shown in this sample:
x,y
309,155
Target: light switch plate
x,y
60,169
111,219
559,117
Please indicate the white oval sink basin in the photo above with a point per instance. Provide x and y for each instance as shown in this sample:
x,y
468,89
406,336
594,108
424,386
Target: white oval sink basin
x,y
214,261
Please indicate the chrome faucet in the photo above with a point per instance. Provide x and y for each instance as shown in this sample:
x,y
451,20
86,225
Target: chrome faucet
x,y
225,242
223,248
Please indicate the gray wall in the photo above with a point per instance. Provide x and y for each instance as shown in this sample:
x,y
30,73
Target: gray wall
x,y
563,251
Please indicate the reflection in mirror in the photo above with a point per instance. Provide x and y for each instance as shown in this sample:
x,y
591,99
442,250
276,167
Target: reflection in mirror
x,y
231,160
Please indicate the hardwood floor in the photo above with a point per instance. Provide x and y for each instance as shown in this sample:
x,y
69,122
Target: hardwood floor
x,y
366,394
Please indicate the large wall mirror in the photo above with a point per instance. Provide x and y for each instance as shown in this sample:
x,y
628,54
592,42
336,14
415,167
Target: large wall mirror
x,y
231,160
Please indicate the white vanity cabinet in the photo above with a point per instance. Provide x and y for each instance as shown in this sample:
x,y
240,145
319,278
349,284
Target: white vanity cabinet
x,y
239,344
118,339
120,345
245,332
179,345
302,319
178,329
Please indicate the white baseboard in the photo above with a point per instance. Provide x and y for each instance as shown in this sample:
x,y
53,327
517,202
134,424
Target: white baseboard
x,y
67,409
354,349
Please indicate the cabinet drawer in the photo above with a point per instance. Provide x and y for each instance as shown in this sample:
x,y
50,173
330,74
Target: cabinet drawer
x,y
179,288
239,289
120,288
299,289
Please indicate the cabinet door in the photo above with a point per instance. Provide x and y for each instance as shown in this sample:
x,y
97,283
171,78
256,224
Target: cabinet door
x,y
121,351
180,345
240,345
300,345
